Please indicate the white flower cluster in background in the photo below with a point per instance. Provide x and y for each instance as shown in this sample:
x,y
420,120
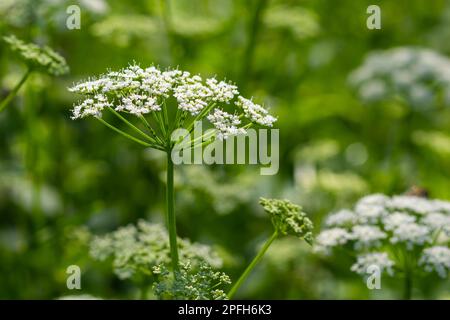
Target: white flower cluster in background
x,y
436,259
417,75
380,259
380,227
137,91
137,249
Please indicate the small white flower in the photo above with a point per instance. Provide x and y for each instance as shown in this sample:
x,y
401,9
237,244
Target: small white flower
x,y
138,104
367,236
396,219
330,238
416,74
370,209
436,259
411,234
341,218
91,107
379,259
226,123
411,204
255,112
436,220
222,91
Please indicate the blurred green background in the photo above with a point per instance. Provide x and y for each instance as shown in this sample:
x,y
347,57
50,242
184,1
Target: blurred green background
x,y
62,180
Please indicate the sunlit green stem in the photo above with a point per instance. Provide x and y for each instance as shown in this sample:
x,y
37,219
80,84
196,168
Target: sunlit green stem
x,y
150,128
145,144
171,220
252,265
132,126
14,91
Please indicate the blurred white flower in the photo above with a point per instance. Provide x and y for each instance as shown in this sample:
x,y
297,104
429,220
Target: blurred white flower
x,y
379,259
411,234
367,236
436,259
408,226
396,219
330,238
417,75
341,218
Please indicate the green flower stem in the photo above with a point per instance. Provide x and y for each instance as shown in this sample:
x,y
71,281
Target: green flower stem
x,y
171,220
252,265
407,289
13,93
152,131
132,126
126,135
408,281
158,119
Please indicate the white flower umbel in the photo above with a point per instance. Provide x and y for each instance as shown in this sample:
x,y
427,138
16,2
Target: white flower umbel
x,y
379,259
401,229
397,219
151,104
417,75
226,124
255,112
330,238
139,92
437,221
436,259
367,236
411,234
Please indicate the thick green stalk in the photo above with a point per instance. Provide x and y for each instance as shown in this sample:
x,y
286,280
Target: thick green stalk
x,y
407,289
13,93
252,265
171,220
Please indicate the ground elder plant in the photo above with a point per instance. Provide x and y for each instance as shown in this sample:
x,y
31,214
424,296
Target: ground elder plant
x,y
37,59
152,103
404,236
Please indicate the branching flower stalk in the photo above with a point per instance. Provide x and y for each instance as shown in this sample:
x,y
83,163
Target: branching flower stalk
x,y
152,103
287,219
14,91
